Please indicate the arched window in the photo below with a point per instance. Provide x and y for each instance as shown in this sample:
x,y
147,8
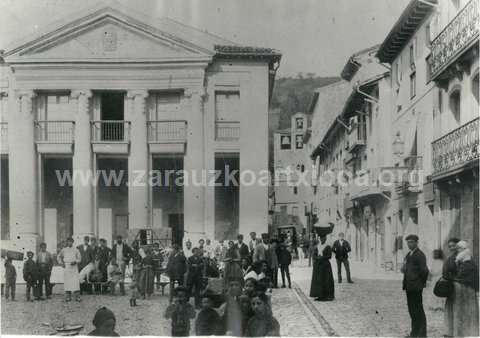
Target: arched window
x,y
454,104
475,87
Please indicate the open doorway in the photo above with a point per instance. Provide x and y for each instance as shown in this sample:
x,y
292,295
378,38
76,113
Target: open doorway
x,y
112,116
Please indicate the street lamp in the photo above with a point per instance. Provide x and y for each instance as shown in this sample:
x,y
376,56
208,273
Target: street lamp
x,y
398,145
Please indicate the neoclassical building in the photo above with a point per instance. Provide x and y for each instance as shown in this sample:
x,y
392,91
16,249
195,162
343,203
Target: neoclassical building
x,y
114,92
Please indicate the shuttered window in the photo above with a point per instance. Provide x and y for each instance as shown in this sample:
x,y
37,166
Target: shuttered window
x,y
227,106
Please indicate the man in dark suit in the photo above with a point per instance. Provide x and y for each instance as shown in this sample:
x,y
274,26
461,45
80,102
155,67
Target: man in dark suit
x,y
415,273
341,248
242,248
45,265
122,254
176,268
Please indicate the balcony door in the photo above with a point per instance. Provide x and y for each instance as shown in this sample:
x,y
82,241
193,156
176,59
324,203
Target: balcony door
x,y
112,116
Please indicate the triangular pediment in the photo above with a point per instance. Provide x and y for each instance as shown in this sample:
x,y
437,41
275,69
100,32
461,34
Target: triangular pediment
x,y
107,35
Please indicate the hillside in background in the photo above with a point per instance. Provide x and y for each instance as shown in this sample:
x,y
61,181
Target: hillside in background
x,y
291,95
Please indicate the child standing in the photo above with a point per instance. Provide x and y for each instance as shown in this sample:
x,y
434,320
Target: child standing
x,y
10,279
133,293
284,259
207,319
181,312
30,275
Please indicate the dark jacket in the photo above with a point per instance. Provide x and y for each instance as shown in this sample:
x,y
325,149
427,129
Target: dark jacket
x,y
176,266
467,274
10,273
243,250
48,264
30,271
284,257
127,252
86,254
341,250
207,323
415,271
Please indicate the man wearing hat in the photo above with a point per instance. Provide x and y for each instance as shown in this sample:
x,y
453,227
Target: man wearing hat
x,y
415,273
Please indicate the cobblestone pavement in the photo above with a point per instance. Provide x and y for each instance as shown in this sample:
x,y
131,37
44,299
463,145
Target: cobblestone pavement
x,y
40,317
371,307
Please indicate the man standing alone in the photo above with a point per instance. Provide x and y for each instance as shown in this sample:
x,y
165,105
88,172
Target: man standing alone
x,y
341,248
415,273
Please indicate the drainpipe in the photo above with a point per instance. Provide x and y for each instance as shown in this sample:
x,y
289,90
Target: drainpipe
x,y
374,99
339,120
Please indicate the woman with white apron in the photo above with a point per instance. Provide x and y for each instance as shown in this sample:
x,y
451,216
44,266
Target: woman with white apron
x,y
70,257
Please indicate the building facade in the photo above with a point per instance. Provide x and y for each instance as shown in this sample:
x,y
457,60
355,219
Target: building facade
x,y
290,162
129,99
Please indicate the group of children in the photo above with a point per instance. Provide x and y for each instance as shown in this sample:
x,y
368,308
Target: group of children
x,y
246,311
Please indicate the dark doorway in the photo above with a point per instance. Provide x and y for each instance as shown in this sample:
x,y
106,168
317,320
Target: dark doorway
x,y
175,222
112,112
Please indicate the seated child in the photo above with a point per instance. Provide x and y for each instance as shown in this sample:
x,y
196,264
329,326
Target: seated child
x,y
133,293
114,275
181,312
208,319
104,322
250,287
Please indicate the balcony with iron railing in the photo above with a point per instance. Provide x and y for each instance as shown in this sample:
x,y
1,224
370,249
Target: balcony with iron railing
x,y
227,130
54,136
456,38
456,151
110,136
4,137
357,137
167,136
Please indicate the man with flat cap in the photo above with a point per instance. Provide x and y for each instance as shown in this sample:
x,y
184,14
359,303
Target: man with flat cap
x,y
415,273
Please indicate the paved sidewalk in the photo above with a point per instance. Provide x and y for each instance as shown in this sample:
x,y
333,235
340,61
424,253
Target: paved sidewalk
x,y
371,306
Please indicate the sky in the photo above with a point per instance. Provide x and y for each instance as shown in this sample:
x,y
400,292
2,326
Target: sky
x,y
314,36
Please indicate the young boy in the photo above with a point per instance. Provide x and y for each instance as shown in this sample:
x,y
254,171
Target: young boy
x,y
30,275
208,319
181,312
104,322
10,279
114,275
133,293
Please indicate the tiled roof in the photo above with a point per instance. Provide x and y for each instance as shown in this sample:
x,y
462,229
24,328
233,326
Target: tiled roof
x,y
411,18
247,52
352,65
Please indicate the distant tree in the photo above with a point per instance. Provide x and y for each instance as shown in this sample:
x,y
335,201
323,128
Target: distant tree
x,y
310,75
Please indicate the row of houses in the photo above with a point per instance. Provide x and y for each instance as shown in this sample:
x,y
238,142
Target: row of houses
x,y
398,138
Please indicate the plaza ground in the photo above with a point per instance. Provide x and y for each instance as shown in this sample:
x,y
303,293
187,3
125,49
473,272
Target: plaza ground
x,y
374,306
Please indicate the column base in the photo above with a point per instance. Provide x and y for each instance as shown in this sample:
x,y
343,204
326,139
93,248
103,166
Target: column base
x,y
24,242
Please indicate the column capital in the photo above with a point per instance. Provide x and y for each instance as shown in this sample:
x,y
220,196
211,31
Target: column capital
x,y
28,94
75,94
195,91
142,93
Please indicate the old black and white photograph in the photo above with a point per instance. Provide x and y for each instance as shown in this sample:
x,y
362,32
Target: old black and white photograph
x,y
240,168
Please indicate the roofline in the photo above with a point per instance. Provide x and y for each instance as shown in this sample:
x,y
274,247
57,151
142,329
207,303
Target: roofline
x,y
316,93
351,67
393,44
350,98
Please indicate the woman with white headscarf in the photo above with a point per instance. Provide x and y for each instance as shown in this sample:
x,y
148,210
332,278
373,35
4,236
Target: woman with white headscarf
x,y
322,286
464,297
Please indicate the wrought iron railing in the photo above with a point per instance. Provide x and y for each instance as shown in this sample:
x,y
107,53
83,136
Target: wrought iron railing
x,y
460,33
227,130
457,148
54,131
3,134
167,131
110,131
357,135
411,179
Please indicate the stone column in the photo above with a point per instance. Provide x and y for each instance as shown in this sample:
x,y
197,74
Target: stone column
x,y
138,206
23,174
83,213
194,194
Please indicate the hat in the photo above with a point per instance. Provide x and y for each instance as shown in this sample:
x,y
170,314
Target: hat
x,y
412,238
102,315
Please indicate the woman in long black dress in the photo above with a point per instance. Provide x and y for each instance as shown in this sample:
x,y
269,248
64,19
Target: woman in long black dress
x,y
322,286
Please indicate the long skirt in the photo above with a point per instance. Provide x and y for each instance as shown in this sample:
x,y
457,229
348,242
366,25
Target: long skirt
x,y
146,280
461,312
322,286
71,279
